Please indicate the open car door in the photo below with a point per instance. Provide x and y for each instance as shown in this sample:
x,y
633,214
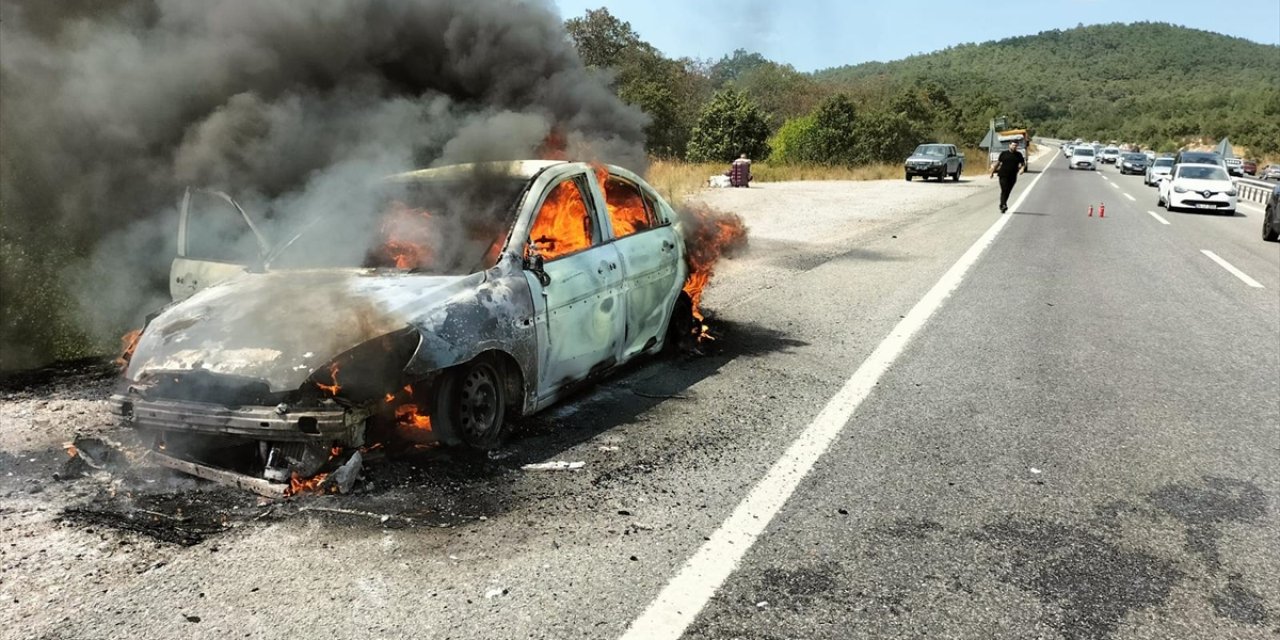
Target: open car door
x,y
217,241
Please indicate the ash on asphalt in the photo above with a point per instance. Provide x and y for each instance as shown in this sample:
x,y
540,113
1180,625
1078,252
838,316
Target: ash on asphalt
x,y
413,487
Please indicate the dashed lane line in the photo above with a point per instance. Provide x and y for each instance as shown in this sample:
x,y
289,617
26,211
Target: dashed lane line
x,y
1131,198
684,597
1230,268
1158,217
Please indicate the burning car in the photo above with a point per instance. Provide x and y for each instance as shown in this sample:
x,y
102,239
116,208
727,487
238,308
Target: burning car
x,y
467,295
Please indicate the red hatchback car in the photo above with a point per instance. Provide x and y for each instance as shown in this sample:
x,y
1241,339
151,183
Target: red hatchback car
x,y
1249,167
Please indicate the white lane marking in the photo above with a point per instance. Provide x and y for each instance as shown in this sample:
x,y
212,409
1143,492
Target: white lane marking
x,y
1157,217
1234,271
1115,185
1104,177
1131,198
684,597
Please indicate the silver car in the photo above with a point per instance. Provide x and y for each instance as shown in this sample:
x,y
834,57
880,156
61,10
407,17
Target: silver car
x,y
1159,167
469,296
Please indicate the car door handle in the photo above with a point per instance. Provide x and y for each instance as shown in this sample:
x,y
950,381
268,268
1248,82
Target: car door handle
x,y
667,245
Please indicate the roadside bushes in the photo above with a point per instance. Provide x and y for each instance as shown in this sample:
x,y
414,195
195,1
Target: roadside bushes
x,y
729,125
838,134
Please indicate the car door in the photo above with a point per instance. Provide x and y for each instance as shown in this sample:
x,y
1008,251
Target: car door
x,y
577,289
651,261
216,242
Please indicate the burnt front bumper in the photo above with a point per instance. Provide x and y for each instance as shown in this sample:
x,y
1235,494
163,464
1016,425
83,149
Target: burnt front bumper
x,y
325,424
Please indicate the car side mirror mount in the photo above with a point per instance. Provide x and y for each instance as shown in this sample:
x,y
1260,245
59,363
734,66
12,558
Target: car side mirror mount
x,y
537,264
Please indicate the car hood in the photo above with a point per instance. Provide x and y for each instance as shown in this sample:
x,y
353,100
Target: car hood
x,y
926,159
280,327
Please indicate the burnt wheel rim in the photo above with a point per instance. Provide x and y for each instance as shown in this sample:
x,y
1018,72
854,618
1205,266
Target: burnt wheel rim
x,y
478,401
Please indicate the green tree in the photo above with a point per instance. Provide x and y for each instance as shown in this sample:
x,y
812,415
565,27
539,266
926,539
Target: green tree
x,y
729,125
734,65
781,91
794,142
835,133
660,87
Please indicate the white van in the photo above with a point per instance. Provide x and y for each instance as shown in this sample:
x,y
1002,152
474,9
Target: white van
x,y
1083,157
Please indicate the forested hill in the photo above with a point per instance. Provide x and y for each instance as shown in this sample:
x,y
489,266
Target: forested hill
x,y
1151,82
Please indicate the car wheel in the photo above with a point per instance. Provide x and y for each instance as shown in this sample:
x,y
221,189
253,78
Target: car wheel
x,y
471,404
1270,230
955,177
680,330
908,176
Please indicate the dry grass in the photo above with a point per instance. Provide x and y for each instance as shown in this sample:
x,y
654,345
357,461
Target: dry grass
x,y
675,179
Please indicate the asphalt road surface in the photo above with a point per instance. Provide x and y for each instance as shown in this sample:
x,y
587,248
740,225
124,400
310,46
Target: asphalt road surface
x,y
922,419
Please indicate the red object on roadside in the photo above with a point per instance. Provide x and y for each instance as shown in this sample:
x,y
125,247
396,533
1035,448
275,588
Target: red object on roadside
x,y
1102,210
1090,211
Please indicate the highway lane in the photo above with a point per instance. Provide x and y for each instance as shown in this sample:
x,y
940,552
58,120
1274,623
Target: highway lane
x,y
1082,444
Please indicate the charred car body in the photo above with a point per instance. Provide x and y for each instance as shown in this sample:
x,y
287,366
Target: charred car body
x,y
473,294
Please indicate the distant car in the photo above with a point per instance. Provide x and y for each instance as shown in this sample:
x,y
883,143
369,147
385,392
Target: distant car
x,y
1151,155
934,160
1235,166
1083,157
1270,172
1109,155
1159,167
1198,186
1066,149
1133,163
1271,219
1249,167
1200,157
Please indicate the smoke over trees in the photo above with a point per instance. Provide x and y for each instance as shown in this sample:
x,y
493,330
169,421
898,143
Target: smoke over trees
x,y
110,108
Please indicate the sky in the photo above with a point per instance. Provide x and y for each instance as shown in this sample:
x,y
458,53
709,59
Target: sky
x,y
817,34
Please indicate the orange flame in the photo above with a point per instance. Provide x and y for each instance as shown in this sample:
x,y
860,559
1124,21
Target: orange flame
x,y
128,342
563,225
408,237
627,209
709,235
299,485
331,389
554,146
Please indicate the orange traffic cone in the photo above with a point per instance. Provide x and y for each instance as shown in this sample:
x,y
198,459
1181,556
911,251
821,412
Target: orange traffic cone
x,y
1090,211
1102,210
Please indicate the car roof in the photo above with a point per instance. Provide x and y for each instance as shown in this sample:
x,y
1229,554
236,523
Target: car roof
x,y
517,168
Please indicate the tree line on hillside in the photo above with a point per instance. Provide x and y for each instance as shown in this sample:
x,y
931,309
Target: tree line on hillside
x,y
1154,84
745,103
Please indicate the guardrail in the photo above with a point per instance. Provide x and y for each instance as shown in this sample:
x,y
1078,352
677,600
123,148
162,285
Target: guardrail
x,y
1254,190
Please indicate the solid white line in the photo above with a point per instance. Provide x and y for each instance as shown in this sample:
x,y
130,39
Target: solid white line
x,y
1157,217
1131,198
1234,271
680,601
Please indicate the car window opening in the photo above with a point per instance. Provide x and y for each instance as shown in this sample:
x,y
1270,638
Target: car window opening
x,y
446,226
629,211
563,225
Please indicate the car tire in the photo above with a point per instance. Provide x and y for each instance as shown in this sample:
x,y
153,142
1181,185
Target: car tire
x,y
955,177
470,406
908,176
680,329
1270,229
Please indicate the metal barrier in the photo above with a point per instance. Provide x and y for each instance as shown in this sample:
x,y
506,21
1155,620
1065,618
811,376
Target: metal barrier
x,y
1254,190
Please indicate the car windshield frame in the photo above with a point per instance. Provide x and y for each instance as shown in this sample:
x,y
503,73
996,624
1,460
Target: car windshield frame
x,y
448,229
1084,151
1210,172
931,150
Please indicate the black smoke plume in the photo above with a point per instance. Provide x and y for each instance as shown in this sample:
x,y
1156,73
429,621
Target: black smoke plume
x,y
109,108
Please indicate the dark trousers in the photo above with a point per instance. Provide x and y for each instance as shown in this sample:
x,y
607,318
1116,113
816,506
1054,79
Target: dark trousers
x,y
1006,186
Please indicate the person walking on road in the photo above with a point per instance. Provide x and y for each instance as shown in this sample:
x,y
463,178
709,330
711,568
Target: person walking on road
x,y
1008,165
